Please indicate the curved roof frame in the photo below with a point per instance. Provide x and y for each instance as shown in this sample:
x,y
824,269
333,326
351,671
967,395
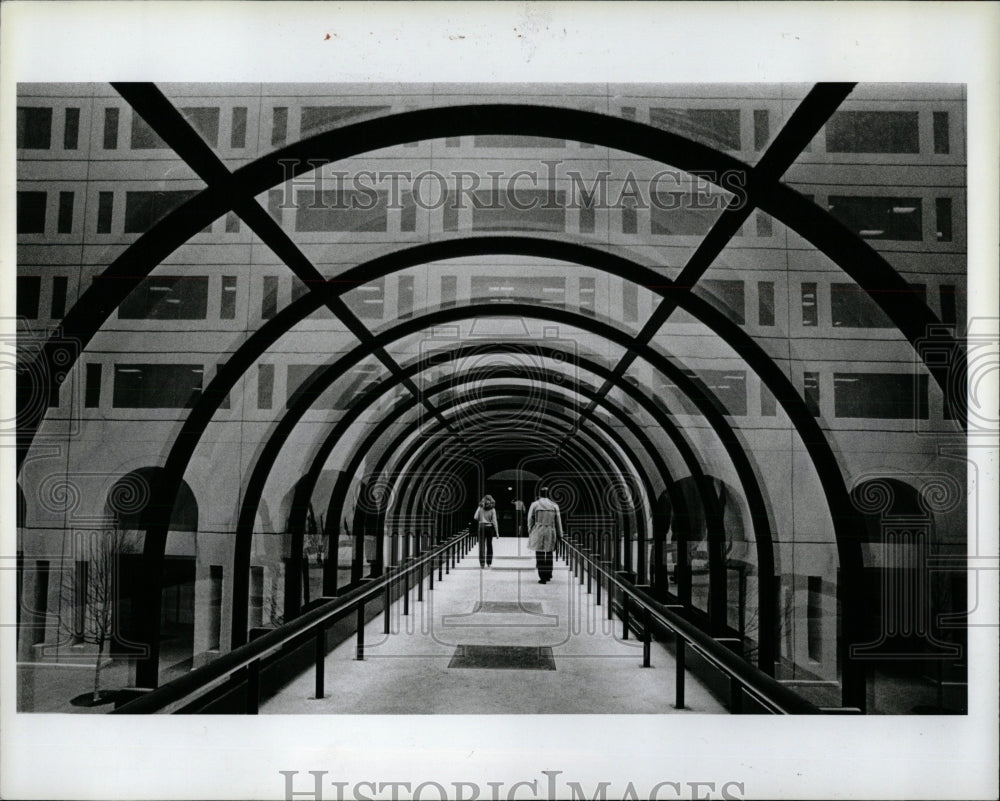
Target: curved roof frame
x,y
236,191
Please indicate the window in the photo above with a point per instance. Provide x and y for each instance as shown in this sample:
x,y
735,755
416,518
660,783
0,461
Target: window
x,y
727,297
873,132
316,119
453,141
265,386
942,209
728,387
331,210
167,298
949,311
810,311
92,387
71,129
29,288
301,376
630,302
279,126
58,305
232,223
34,128
880,396
511,289
941,133
214,607
628,112
449,290
238,128
519,210
768,404
269,298
587,295
765,303
630,221
274,199
408,213
880,217
64,221
256,616
761,129
764,226
449,214
205,120
851,307
225,402
110,128
814,618
157,386
105,210
719,128
587,217
368,300
515,140
810,392
404,298
683,213
144,209
31,212
227,301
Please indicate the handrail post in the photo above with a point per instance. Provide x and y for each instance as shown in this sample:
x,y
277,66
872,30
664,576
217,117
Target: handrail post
x,y
646,626
387,602
679,678
253,687
624,614
359,653
320,661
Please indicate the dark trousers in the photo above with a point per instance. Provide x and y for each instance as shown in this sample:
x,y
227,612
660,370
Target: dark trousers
x,y
543,561
485,545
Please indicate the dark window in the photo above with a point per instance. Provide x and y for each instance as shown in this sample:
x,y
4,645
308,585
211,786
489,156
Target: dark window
x,y
628,112
92,390
873,132
105,210
810,310
528,289
299,288
684,213
810,391
942,208
144,209
205,120
279,126
449,290
941,134
728,297
449,214
768,405
368,300
157,386
225,402
717,127
518,141
316,119
167,298
408,213
764,226
404,300
630,221
269,298
265,386
880,217
143,136
519,210
341,211
110,128
64,222
630,302
587,218
851,307
765,303
274,199
881,396
301,376
34,128
58,306
214,607
232,223
227,303
31,212
727,387
949,308
814,618
453,141
29,288
238,133
761,129
587,295
71,129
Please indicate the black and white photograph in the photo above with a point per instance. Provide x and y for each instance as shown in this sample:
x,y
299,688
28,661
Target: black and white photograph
x,y
570,419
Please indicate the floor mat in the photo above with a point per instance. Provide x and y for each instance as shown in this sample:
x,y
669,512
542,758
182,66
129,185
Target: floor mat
x,y
503,657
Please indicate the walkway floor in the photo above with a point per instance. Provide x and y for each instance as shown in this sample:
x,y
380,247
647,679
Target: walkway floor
x,y
416,669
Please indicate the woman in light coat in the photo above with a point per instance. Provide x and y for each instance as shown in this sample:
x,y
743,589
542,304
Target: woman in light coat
x,y
486,516
544,530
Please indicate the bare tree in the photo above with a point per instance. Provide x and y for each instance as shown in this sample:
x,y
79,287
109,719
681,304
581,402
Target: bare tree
x,y
97,588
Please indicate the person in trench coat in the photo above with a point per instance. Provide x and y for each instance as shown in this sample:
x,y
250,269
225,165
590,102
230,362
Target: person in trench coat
x,y
544,530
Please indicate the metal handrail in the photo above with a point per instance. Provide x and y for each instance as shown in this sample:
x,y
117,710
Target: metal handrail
x,y
313,623
744,677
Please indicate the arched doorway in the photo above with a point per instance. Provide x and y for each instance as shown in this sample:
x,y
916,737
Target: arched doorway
x,y
513,489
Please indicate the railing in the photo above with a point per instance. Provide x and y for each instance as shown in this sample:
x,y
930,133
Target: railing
x,y
241,667
743,677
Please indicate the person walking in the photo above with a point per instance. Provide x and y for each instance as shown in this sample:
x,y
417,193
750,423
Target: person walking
x,y
486,516
544,531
